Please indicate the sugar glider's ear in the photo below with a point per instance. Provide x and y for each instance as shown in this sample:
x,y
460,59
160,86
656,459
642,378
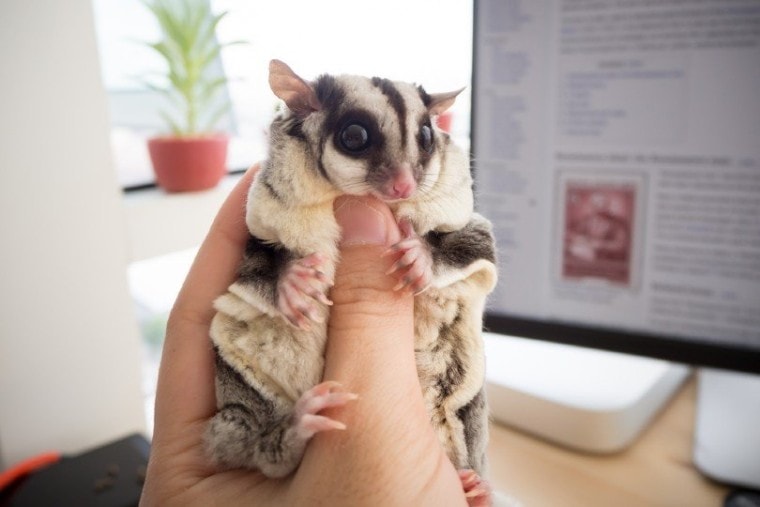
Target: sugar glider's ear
x,y
297,93
440,102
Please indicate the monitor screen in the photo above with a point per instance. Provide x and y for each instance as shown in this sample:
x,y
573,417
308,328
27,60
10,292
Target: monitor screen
x,y
616,147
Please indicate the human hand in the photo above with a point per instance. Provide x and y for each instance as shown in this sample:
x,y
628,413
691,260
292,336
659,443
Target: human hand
x,y
388,455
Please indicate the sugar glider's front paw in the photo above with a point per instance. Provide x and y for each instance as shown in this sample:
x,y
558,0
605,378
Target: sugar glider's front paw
x,y
306,420
303,283
414,266
477,490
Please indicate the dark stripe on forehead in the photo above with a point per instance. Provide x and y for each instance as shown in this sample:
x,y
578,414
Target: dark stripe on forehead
x,y
294,128
331,95
397,103
329,92
425,96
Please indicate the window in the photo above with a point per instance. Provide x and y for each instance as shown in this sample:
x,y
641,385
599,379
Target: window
x,y
424,41
154,284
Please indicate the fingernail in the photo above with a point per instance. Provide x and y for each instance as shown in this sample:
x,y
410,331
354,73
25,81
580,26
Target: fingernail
x,y
360,223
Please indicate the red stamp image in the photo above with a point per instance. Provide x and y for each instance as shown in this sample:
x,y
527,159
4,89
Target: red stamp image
x,y
598,228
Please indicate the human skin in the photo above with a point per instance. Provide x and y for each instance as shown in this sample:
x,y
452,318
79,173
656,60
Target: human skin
x,y
388,453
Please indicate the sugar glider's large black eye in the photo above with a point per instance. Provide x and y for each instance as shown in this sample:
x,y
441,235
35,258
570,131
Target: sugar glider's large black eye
x,y
354,137
426,138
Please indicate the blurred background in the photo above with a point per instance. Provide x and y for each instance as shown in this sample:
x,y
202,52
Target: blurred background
x,y
93,251
425,42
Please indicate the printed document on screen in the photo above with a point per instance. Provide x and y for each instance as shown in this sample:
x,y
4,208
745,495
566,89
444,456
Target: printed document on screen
x,y
617,151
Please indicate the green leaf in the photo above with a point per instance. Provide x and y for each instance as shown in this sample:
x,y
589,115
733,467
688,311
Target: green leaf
x,y
207,91
207,37
234,43
180,84
210,56
153,87
169,93
196,18
189,47
173,125
216,116
162,49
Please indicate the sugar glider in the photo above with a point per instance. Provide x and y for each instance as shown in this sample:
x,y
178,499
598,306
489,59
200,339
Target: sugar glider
x,y
361,136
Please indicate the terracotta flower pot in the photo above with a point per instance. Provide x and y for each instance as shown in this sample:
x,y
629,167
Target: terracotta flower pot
x,y
185,164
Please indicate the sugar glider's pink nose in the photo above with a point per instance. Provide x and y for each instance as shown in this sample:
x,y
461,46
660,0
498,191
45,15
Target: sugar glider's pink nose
x,y
403,188
401,184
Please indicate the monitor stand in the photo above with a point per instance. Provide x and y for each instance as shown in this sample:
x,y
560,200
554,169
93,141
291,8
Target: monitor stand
x,y
585,399
727,432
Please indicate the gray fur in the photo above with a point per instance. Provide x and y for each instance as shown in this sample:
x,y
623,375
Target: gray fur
x,y
472,416
251,430
264,363
463,247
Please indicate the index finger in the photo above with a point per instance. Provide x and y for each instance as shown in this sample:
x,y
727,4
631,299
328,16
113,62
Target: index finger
x,y
185,390
216,263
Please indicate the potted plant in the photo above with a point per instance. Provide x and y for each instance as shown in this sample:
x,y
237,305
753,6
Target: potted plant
x,y
193,156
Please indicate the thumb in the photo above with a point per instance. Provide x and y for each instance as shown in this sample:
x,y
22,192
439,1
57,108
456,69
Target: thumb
x,y
365,221
370,351
368,228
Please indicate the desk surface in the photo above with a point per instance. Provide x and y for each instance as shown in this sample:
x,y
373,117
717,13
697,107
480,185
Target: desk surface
x,y
655,471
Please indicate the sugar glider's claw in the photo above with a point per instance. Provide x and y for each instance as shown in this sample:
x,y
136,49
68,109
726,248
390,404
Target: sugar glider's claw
x,y
325,395
311,424
407,228
476,490
414,262
301,285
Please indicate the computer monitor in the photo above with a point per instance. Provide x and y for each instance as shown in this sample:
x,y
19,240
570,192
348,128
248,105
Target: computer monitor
x,y
616,148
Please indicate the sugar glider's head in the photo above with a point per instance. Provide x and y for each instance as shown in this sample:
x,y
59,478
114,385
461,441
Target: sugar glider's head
x,y
368,136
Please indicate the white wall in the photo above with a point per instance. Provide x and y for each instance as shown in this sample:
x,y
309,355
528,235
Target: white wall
x,y
69,344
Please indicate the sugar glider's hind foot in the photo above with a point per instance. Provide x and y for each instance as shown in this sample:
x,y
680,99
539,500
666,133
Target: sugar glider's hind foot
x,y
476,489
231,438
244,434
327,394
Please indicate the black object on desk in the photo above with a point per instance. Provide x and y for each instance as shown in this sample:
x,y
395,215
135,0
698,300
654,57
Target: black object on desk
x,y
108,476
